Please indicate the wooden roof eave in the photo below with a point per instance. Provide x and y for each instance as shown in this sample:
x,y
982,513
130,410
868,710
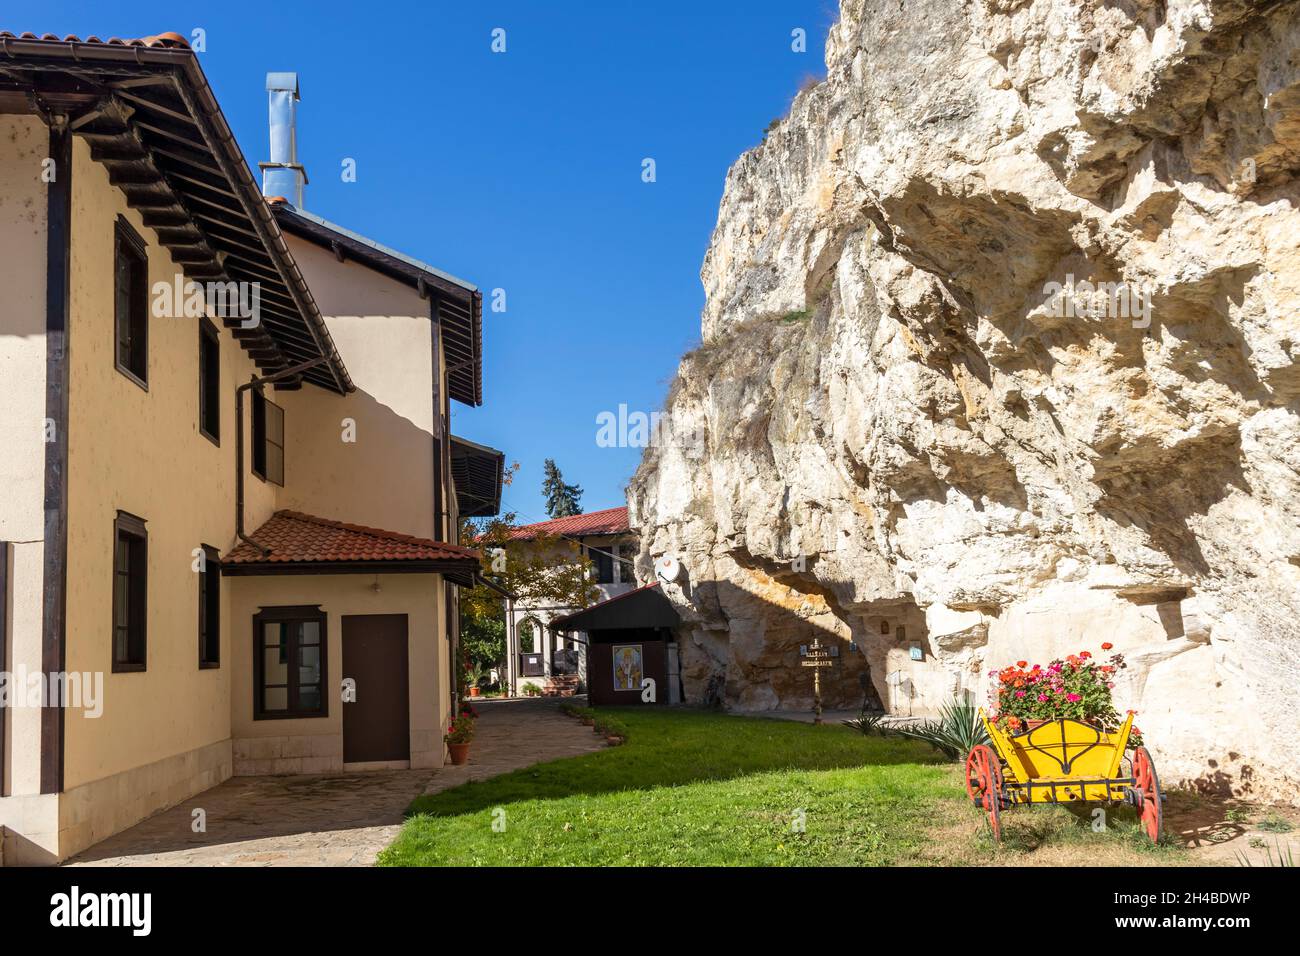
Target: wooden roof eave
x,y
478,473
109,89
205,104
460,308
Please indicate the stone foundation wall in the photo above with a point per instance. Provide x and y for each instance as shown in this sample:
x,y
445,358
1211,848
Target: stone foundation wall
x,y
298,753
97,810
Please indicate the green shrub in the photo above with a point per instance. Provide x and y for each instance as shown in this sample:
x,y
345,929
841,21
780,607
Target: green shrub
x,y
611,726
1285,857
1274,824
954,732
870,725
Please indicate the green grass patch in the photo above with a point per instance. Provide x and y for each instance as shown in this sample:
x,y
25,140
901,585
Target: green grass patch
x,y
699,788
690,788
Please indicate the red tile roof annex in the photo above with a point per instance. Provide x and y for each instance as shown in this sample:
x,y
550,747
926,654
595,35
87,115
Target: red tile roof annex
x,y
294,537
608,521
174,40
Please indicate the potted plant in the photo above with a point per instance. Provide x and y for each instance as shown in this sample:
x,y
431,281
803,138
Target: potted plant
x,y
458,736
615,731
473,678
1025,696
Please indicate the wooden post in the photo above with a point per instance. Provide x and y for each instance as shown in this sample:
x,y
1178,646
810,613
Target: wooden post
x,y
58,290
817,695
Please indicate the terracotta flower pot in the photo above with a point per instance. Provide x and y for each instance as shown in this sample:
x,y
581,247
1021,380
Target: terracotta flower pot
x,y
588,722
459,753
474,692
614,740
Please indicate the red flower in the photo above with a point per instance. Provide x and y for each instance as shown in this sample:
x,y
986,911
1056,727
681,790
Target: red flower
x,y
1021,664
1107,646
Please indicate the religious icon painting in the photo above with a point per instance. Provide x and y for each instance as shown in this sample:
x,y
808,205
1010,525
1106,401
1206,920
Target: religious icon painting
x,y
628,669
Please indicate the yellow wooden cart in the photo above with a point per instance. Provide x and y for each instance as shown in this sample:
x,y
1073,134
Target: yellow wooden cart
x,y
1061,761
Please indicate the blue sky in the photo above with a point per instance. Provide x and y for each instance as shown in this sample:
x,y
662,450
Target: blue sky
x,y
520,171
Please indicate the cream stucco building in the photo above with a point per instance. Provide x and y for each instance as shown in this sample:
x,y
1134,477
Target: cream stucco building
x,y
228,524
556,662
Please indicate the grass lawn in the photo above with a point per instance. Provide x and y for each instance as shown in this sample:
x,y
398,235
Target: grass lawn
x,y
693,788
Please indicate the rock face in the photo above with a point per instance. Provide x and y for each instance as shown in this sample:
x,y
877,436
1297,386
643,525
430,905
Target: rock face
x,y
998,363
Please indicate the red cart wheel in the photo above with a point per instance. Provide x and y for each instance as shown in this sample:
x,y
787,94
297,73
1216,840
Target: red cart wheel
x,y
984,785
1148,786
972,775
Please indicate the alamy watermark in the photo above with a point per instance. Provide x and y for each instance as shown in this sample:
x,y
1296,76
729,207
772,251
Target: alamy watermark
x,y
185,298
76,690
636,429
1099,300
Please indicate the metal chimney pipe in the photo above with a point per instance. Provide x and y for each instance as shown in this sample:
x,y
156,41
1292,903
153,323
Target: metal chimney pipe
x,y
283,175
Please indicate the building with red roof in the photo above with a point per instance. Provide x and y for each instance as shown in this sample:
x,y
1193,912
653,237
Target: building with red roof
x,y
231,490
556,663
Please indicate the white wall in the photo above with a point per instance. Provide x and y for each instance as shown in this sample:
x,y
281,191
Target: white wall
x,y
24,144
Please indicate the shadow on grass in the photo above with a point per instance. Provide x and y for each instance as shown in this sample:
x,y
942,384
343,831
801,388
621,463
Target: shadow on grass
x,y
669,748
1026,830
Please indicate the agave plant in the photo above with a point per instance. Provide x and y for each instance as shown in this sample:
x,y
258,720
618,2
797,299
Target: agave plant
x,y
869,725
954,732
1285,857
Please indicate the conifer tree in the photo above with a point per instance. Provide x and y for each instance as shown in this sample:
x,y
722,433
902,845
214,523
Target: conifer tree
x,y
562,500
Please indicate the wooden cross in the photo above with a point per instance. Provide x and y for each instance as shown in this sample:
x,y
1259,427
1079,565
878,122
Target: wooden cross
x,y
818,656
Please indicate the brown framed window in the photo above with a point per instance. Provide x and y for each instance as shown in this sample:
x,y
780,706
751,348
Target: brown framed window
x,y
130,592
210,609
209,381
268,440
289,663
131,304
603,564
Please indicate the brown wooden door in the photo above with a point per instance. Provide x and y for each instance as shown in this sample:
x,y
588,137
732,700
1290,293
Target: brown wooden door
x,y
377,725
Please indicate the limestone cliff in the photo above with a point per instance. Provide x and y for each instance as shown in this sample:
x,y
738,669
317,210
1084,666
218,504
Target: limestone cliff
x,y
999,362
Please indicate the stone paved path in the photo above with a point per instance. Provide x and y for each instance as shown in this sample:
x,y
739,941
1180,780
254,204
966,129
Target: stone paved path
x,y
341,820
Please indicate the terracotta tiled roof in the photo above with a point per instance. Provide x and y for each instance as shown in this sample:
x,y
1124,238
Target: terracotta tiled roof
x,y
609,521
174,40
294,537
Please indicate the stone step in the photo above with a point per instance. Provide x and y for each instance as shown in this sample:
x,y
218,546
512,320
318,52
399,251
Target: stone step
x,y
562,685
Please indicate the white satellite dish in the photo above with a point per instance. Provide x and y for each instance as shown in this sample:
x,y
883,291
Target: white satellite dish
x,y
668,568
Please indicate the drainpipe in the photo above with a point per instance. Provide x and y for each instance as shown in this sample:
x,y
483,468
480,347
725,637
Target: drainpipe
x,y
239,441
